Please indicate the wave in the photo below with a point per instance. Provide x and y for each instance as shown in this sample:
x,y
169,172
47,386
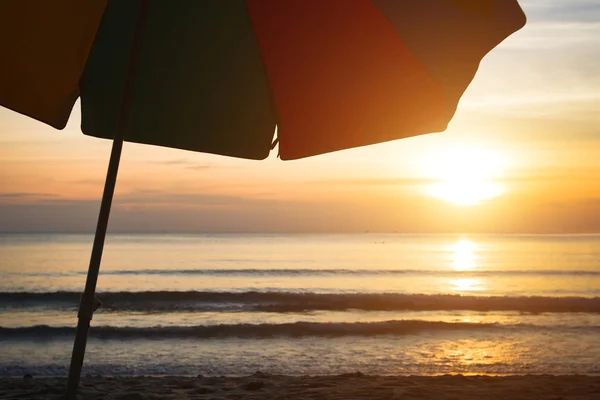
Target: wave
x,y
300,302
325,272
296,329
328,272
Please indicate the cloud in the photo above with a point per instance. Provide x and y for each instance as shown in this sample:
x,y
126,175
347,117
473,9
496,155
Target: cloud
x,y
544,36
553,63
561,10
12,196
149,197
404,181
191,213
181,161
91,181
19,195
156,211
543,175
199,167
555,175
184,163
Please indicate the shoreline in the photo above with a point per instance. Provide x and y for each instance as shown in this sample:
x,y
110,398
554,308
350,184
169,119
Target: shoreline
x,y
344,386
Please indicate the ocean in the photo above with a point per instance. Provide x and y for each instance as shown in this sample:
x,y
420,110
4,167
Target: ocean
x,y
234,304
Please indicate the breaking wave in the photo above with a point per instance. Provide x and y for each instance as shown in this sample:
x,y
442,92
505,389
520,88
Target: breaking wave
x,y
297,329
300,302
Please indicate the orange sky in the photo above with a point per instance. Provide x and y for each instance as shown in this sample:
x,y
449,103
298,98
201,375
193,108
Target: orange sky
x,y
526,136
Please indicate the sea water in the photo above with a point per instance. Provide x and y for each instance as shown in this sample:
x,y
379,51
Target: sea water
x,y
232,304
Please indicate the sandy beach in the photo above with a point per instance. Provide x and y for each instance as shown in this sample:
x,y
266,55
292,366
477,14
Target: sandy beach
x,y
346,386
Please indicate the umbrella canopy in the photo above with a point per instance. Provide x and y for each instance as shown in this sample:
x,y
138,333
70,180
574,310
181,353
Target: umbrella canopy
x,y
217,76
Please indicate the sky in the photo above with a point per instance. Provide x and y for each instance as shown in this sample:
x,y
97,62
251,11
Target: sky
x,y
520,156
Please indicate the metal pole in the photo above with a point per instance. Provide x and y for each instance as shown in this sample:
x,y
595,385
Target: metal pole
x,y
88,299
88,302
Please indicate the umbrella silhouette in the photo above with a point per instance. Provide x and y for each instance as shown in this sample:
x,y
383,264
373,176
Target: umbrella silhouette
x,y
217,76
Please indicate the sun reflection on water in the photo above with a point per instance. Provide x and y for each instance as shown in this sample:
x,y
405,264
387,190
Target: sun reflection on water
x,y
465,285
469,356
464,257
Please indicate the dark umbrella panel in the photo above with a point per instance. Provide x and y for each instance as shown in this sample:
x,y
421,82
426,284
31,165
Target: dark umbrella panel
x,y
217,76
200,84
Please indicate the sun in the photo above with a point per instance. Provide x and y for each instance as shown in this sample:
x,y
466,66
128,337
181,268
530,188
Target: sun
x,y
464,175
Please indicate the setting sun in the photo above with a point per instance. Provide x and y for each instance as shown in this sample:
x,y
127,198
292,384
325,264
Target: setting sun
x,y
464,175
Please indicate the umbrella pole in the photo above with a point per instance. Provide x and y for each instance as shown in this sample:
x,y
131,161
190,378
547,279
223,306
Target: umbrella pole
x,y
89,303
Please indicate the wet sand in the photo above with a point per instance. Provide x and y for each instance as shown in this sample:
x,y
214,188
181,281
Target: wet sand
x,y
347,386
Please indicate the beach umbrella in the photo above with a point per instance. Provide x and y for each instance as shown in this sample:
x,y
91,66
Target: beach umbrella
x,y
217,76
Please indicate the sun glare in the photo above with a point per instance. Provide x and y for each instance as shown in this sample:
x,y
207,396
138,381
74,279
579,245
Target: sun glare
x,y
464,175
